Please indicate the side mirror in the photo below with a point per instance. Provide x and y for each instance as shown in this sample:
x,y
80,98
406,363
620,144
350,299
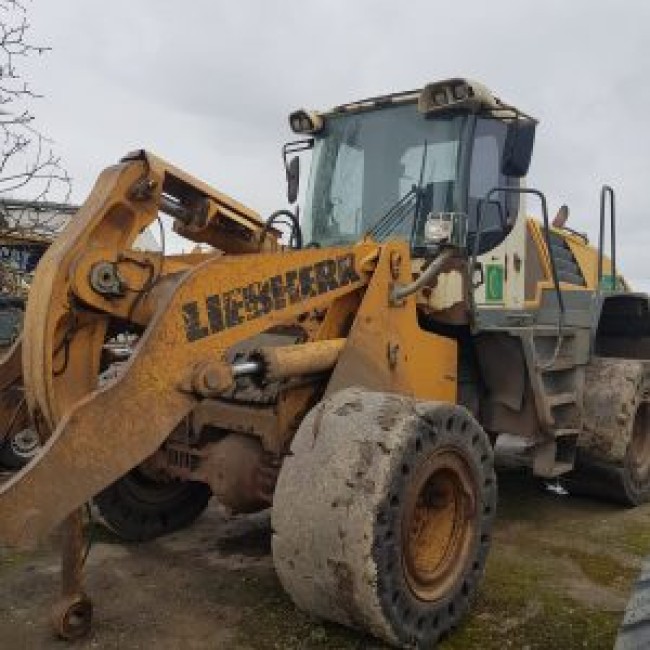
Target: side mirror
x,y
293,179
518,148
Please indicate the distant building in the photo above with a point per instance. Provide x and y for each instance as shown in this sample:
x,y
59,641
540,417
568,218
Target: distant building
x,y
41,221
37,218
27,228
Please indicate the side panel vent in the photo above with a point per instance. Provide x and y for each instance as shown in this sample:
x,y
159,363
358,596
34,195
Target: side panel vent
x,y
565,263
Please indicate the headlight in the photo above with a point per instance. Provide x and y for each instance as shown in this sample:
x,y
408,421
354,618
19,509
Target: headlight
x,y
456,94
302,121
438,229
446,229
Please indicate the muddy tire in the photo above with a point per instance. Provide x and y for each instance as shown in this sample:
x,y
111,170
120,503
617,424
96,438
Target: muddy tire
x,y
613,460
137,508
382,515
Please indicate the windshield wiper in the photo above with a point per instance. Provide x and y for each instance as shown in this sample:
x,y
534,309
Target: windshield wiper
x,y
387,224
395,215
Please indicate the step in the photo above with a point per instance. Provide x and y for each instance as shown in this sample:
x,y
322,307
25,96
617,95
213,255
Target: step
x,y
551,330
559,399
562,433
556,456
559,364
558,469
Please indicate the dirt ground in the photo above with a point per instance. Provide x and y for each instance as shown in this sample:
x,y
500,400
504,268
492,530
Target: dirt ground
x,y
558,576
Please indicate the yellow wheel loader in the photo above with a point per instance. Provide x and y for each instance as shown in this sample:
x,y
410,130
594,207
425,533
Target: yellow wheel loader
x,y
353,366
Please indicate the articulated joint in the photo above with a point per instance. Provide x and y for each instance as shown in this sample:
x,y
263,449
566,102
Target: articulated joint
x,y
105,279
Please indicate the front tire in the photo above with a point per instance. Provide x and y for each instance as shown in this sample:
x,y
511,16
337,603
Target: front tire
x,y
382,515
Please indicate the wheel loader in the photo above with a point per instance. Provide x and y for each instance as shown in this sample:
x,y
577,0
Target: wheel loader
x,y
352,366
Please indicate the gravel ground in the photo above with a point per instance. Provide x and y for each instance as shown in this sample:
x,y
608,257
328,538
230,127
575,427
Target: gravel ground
x,y
558,576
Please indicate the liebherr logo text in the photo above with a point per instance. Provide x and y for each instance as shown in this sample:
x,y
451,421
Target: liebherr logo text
x,y
231,308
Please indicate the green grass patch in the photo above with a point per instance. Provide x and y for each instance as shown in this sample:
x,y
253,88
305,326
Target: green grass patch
x,y
270,620
600,568
634,538
519,605
12,559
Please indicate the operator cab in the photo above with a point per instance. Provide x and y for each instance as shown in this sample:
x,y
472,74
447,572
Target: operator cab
x,y
418,165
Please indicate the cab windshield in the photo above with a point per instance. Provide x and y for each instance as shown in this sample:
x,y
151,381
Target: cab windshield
x,y
364,163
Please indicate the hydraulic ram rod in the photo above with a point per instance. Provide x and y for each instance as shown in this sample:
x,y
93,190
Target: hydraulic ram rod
x,y
245,368
283,362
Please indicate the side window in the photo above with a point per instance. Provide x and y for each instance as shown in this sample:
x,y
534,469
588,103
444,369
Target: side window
x,y
337,191
497,216
486,155
346,192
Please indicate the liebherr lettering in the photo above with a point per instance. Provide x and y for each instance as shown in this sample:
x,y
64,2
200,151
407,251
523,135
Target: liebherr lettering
x,y
231,308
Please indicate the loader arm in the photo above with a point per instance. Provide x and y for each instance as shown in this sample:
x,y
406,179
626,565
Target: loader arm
x,y
189,316
90,272
12,402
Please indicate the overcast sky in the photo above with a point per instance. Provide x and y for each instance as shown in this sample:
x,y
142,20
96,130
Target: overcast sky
x,y
208,84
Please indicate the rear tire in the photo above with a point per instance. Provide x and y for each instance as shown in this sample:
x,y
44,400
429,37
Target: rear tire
x,y
615,466
137,508
382,515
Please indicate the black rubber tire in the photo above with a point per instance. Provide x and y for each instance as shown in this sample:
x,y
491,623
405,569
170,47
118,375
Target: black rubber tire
x,y
596,479
341,501
12,458
138,509
617,423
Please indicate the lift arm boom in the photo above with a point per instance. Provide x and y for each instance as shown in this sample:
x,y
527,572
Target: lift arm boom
x,y
191,315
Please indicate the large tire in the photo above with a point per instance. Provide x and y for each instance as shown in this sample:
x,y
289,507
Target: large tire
x,y
382,515
613,460
137,508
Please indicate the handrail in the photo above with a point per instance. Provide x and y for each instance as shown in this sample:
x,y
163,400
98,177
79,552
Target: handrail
x,y
400,292
547,237
606,191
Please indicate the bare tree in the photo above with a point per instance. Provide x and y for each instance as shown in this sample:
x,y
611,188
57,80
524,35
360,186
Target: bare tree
x,y
34,186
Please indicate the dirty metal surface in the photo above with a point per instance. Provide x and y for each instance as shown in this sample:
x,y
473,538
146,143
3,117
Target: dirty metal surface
x,y
386,349
117,426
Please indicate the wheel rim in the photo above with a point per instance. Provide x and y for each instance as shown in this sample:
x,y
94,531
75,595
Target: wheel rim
x,y
438,525
639,450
